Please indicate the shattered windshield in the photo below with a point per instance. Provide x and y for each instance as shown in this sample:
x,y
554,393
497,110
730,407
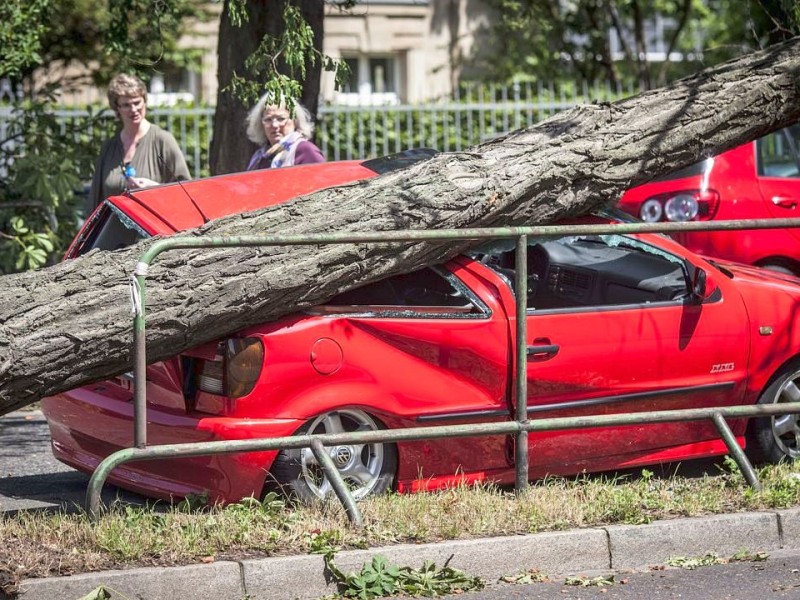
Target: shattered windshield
x,y
112,230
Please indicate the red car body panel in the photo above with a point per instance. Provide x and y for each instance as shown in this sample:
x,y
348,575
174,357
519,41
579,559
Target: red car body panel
x,y
744,194
432,366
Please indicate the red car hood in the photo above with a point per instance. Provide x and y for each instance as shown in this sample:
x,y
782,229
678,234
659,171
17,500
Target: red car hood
x,y
167,209
752,274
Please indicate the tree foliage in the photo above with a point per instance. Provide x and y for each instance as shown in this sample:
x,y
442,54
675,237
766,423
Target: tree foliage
x,y
549,38
44,163
38,200
280,64
45,37
22,26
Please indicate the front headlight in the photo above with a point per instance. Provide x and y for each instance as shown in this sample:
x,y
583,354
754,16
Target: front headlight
x,y
682,207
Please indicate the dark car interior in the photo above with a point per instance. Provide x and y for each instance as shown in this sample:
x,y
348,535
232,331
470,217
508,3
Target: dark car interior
x,y
115,230
562,273
591,271
430,290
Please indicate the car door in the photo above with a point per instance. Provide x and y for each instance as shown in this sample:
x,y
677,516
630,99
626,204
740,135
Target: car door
x,y
778,160
612,328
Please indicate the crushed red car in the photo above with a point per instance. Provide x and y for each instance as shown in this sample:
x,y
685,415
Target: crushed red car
x,y
758,180
615,324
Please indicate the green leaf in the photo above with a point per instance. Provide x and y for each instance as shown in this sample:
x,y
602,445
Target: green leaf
x,y
18,225
98,593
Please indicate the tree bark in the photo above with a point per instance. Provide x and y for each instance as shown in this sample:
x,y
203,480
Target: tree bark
x,y
70,324
314,13
230,148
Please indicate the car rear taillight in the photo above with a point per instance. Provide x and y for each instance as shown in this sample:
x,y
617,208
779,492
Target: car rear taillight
x,y
211,376
234,371
243,360
685,205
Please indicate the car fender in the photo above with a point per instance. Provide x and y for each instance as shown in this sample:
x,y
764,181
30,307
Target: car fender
x,y
771,301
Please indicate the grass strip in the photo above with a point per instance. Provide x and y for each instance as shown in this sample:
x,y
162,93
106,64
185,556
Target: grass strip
x,y
37,544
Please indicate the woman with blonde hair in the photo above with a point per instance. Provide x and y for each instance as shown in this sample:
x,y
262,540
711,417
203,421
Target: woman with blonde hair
x,y
141,154
283,140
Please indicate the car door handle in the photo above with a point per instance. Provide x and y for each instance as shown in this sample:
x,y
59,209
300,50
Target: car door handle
x,y
542,351
784,201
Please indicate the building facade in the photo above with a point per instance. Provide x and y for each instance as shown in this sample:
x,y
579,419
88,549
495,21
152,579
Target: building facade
x,y
398,51
401,51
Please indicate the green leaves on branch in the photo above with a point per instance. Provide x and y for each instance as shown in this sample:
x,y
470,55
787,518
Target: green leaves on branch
x,y
45,162
22,25
280,63
140,33
33,247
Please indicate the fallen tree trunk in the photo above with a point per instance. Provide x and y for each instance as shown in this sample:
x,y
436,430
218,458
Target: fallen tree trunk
x,y
70,324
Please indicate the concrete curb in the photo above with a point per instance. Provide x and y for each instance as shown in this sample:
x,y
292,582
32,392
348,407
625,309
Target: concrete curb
x,y
559,553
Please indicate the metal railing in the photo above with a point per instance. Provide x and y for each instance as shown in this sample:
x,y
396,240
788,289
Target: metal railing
x,y
520,427
472,114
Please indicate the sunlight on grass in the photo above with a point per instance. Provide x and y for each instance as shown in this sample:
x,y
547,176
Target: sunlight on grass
x,y
40,544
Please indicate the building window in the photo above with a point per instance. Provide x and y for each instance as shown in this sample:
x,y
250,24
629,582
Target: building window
x,y
373,80
381,75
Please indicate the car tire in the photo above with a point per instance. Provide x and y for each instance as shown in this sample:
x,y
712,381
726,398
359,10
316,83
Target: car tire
x,y
776,439
368,469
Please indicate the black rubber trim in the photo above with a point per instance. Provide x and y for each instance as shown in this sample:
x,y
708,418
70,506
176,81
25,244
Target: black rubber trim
x,y
630,397
463,415
579,403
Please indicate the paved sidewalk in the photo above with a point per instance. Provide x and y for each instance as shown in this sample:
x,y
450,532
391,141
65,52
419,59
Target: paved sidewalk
x,y
618,547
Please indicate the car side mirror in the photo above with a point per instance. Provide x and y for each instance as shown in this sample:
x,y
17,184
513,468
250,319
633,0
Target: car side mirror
x,y
699,280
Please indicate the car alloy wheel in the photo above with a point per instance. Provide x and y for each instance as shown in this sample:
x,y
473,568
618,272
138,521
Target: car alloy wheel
x,y
365,468
786,428
773,439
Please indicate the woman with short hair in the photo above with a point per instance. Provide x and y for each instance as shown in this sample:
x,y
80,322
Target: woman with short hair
x,y
140,154
283,140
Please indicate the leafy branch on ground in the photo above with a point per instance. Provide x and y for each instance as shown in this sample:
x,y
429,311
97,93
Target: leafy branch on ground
x,y
693,562
380,578
599,581
527,578
708,559
103,592
747,556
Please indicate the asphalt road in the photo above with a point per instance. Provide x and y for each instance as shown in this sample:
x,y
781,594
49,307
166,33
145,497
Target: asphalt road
x,y
30,478
777,577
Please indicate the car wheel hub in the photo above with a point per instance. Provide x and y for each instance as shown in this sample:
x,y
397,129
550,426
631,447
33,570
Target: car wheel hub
x,y
359,465
341,456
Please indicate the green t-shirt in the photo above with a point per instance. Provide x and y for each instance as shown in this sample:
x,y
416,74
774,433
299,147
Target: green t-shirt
x,y
157,157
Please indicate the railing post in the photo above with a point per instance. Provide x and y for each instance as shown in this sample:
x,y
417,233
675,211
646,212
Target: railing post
x,y
736,451
140,356
521,364
337,483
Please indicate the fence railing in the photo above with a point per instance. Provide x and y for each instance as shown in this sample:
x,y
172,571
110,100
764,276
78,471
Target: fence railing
x,y
519,426
473,114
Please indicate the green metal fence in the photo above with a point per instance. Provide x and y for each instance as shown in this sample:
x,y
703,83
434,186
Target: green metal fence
x,y
519,427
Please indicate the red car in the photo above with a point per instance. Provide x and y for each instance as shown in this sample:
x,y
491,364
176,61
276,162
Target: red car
x,y
614,326
759,180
